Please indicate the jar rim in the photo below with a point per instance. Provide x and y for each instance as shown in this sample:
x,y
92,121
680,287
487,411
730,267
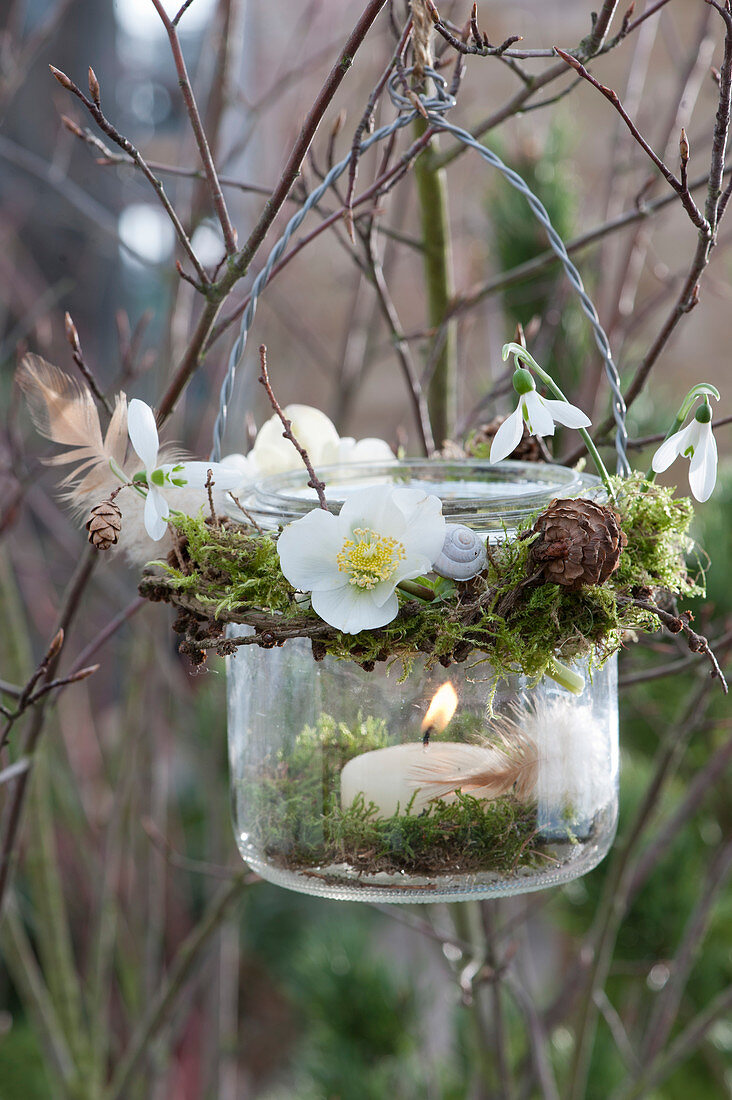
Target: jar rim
x,y
493,499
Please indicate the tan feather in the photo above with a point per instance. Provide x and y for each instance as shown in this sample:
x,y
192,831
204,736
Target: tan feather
x,y
507,765
64,411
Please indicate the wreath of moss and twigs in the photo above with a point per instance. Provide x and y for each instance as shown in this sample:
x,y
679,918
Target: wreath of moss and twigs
x,y
224,572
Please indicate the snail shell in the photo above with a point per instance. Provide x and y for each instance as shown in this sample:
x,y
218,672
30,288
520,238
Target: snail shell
x,y
463,554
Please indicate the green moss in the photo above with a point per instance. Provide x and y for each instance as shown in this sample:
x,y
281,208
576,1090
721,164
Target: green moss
x,y
519,626
231,567
657,526
295,818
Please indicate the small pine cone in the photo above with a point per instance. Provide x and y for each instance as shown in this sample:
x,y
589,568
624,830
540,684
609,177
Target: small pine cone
x,y
479,443
579,543
104,525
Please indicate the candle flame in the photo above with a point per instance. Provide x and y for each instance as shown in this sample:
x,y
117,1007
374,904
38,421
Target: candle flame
x,y
441,709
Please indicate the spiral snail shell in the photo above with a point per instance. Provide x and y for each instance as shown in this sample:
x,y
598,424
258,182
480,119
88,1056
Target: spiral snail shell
x,y
462,555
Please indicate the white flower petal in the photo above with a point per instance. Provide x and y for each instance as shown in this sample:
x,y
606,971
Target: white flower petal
x,y
508,436
425,532
352,609
374,507
195,474
143,432
369,449
675,445
156,513
313,430
569,415
540,419
308,549
243,465
703,467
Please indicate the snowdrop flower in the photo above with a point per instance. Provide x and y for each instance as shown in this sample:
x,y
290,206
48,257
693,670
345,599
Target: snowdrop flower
x,y
353,562
143,433
696,442
540,414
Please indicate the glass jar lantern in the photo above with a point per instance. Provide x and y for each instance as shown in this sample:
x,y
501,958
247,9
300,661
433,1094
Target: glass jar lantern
x,y
441,784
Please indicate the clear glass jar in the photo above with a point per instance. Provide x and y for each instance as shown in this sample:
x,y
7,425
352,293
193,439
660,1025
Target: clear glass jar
x,y
447,784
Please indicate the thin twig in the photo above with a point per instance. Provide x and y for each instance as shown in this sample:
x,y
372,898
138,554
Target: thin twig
x,y
687,201
400,345
547,259
314,482
77,355
677,624
615,899
377,189
307,133
180,969
366,123
680,1049
484,49
95,110
14,809
217,195
668,1001
239,265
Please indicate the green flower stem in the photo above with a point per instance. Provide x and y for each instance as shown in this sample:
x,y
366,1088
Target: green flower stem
x,y
421,591
703,389
526,357
565,676
437,258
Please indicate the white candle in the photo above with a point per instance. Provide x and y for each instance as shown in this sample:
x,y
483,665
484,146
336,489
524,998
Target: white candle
x,y
391,777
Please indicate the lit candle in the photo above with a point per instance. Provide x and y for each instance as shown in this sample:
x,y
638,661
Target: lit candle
x,y
414,774
392,777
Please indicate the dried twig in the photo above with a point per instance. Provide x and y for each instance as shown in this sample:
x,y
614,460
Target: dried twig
x,y
217,195
681,190
14,808
93,106
480,45
367,123
239,265
314,482
77,355
677,624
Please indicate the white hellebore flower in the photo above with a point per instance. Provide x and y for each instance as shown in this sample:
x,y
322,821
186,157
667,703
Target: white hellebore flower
x,y
273,454
143,433
353,562
696,441
540,414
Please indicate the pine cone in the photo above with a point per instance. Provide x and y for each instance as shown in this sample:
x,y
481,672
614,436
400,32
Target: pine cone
x,y
104,525
479,443
579,543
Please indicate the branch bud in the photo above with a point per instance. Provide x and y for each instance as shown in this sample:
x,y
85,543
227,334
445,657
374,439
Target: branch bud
x,y
62,78
432,11
339,123
82,674
94,87
55,647
72,126
71,334
684,147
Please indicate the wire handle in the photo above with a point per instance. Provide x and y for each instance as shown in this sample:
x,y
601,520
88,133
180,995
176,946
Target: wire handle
x,y
435,106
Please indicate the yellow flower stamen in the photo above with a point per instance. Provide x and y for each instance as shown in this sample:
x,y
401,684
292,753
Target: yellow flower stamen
x,y
369,557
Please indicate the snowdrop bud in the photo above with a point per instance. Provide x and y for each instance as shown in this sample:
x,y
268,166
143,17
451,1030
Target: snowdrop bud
x,y
522,381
